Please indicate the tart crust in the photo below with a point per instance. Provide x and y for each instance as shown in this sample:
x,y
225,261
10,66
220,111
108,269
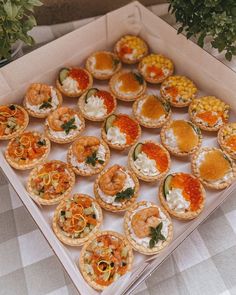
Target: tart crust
x,y
221,141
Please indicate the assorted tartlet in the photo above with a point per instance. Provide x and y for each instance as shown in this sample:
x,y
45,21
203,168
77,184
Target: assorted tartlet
x,y
115,259
213,167
209,112
116,188
151,111
178,90
181,137
50,182
13,121
103,64
96,104
127,85
40,99
120,131
76,219
148,228
227,139
182,195
64,125
149,160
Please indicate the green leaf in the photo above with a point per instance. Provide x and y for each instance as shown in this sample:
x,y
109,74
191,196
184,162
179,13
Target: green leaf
x,y
41,142
180,30
45,105
92,159
69,126
228,56
138,77
152,243
124,195
156,235
35,2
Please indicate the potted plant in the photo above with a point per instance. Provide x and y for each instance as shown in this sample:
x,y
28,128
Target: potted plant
x,y
16,20
208,19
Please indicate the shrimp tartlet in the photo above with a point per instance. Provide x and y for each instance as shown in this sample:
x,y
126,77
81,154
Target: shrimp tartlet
x,y
50,182
116,188
213,167
97,105
64,125
27,150
131,49
151,111
73,82
77,219
120,131
149,160
88,155
13,121
227,139
148,228
181,137
178,90
41,99
115,259
209,113
103,64
155,68
182,195
127,85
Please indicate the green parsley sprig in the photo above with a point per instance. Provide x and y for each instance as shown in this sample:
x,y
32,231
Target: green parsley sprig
x,y
156,235
124,195
69,126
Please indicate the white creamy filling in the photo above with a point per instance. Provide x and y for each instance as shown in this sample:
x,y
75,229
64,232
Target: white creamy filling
x,y
145,165
99,71
146,119
176,201
70,85
95,107
115,136
126,93
219,122
170,138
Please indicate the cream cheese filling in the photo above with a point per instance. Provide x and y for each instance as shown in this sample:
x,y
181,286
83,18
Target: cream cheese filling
x,y
95,107
115,136
145,165
70,85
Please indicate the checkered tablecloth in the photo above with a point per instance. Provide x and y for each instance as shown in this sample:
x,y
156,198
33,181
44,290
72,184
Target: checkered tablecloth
x,y
204,264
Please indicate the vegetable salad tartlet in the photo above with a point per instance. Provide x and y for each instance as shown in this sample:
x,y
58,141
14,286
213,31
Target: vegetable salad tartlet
x,y
151,111
97,105
50,182
103,64
105,258
41,99
181,137
155,68
178,90
64,125
13,121
116,188
27,150
182,195
127,85
77,219
149,160
74,81
131,49
227,139
148,228
209,113
88,155
120,131
213,167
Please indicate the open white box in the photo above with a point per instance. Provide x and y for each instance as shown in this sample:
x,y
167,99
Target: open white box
x,y
43,64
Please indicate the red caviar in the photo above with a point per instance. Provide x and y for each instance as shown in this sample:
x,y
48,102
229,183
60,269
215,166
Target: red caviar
x,y
173,91
155,152
81,77
210,118
231,142
157,71
125,50
127,126
107,99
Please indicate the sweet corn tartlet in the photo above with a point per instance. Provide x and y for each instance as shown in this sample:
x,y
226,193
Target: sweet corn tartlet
x,y
227,139
155,68
209,112
178,90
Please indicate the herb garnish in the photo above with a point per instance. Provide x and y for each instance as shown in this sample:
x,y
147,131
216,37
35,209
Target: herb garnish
x,y
46,105
41,142
124,195
116,61
93,159
69,126
12,107
166,106
156,235
138,77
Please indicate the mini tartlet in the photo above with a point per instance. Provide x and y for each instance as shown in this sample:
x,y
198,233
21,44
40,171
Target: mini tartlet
x,y
74,81
27,150
148,228
181,137
227,139
120,131
50,182
115,259
127,85
64,125
96,104
13,121
209,112
149,160
131,49
151,111
77,219
155,68
40,99
213,167
178,90
182,195
116,188
103,64
88,155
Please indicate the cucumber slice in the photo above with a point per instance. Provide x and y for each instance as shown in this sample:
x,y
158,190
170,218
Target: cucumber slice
x,y
63,74
137,150
167,186
109,122
91,92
